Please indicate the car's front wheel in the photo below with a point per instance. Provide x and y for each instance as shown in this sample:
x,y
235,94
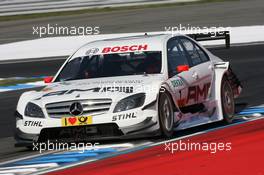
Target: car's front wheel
x,y
228,102
166,114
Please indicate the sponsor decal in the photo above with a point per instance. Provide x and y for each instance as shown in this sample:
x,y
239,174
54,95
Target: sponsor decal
x,y
105,82
124,116
126,81
177,83
195,92
92,51
76,121
117,89
124,89
33,123
181,102
125,48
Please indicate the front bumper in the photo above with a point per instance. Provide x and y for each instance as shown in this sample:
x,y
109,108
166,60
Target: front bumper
x,y
96,132
24,139
127,124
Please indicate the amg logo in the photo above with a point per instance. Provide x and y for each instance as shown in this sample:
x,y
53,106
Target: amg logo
x,y
71,91
123,116
33,123
194,92
80,130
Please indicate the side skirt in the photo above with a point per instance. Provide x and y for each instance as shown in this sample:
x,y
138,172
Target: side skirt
x,y
200,118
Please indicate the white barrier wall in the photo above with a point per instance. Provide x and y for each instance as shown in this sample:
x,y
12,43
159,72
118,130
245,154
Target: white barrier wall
x,y
64,46
16,7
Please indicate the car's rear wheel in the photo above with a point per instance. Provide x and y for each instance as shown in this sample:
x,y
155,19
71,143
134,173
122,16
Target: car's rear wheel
x,y
166,114
228,102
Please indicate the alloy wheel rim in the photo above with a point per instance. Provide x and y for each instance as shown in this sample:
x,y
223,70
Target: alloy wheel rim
x,y
167,115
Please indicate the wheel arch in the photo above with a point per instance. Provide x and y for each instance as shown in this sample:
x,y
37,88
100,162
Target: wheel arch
x,y
220,72
165,88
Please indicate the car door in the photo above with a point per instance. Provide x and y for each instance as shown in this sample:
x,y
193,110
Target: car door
x,y
201,70
179,81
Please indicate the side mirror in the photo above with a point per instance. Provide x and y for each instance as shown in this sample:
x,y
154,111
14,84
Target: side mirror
x,y
182,68
48,79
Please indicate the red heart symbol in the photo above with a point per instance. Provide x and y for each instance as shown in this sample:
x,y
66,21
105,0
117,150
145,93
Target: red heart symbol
x,y
72,120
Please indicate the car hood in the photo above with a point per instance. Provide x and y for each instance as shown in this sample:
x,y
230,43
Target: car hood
x,y
115,88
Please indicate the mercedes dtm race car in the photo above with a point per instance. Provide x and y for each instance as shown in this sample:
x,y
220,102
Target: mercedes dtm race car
x,y
129,87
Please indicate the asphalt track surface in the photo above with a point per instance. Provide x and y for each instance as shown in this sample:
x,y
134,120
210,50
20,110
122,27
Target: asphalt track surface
x,y
227,13
247,62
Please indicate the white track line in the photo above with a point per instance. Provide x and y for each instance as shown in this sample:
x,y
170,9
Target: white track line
x,y
30,166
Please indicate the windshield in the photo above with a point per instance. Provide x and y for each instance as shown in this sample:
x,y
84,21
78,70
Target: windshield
x,y
109,65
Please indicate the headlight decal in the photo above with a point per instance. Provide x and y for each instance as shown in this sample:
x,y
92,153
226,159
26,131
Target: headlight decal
x,y
131,102
33,110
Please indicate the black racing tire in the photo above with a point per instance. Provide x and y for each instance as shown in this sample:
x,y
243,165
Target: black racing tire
x,y
166,115
227,101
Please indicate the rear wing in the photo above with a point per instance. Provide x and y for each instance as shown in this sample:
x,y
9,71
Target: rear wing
x,y
224,35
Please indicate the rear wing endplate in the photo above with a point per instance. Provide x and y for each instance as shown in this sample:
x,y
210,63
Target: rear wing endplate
x,y
224,35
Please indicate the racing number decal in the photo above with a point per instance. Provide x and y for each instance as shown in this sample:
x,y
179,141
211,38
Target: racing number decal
x,y
76,121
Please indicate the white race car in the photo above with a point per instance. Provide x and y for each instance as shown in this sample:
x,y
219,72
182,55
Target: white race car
x,y
129,87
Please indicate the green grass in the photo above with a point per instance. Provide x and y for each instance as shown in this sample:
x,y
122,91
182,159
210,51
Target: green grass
x,y
11,82
101,10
